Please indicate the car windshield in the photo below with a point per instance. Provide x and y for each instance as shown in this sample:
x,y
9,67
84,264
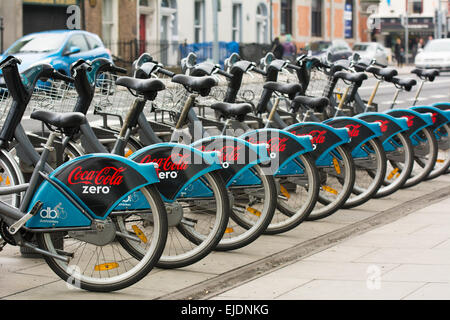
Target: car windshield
x,y
319,46
437,46
362,47
46,42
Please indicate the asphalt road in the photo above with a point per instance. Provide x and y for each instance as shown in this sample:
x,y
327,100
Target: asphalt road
x,y
432,92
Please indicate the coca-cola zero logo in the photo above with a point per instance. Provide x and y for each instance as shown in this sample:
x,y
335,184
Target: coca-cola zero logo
x,y
108,176
318,136
410,120
353,130
383,125
168,167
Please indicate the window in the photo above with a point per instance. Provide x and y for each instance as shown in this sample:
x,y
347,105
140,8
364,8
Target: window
x,y
261,23
79,41
415,6
45,42
237,22
109,25
199,18
348,19
286,16
316,18
94,43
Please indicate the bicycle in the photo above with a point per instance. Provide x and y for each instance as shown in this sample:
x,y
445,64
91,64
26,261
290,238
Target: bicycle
x,y
75,231
204,168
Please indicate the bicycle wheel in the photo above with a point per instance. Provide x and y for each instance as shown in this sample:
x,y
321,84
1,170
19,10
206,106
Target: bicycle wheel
x,y
425,151
443,157
297,197
196,225
337,181
96,262
399,154
10,176
252,211
370,171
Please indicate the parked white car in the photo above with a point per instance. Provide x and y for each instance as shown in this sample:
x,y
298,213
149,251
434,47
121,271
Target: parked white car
x,y
372,50
435,55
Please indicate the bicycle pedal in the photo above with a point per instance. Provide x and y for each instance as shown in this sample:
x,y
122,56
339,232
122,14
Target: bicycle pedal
x,y
15,227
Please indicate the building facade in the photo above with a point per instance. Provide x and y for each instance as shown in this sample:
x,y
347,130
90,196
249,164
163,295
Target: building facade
x,y
130,27
420,16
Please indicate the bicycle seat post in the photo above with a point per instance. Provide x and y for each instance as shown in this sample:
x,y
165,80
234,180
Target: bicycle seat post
x,y
272,112
416,98
340,108
183,116
374,92
397,92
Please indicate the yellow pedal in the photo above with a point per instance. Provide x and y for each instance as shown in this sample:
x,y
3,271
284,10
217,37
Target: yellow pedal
x,y
254,211
330,190
139,233
336,166
440,161
106,266
392,174
284,192
128,153
229,230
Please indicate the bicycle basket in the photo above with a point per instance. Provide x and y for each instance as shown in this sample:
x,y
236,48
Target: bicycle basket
x,y
5,104
56,96
318,83
109,98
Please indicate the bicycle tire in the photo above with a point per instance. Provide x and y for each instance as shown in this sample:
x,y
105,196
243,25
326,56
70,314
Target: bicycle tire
x,y
423,163
108,261
246,225
362,194
345,164
394,179
443,159
288,218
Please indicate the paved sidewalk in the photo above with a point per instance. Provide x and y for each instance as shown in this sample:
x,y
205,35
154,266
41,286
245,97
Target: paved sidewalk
x,y
415,246
406,259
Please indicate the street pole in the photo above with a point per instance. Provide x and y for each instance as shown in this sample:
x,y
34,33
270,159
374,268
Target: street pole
x,y
271,20
406,37
215,5
439,22
1,34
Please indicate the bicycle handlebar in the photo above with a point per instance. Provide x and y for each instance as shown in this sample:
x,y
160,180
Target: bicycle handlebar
x,y
118,69
224,73
261,72
166,72
56,75
293,67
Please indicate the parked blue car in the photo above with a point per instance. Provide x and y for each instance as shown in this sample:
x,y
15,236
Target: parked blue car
x,y
59,48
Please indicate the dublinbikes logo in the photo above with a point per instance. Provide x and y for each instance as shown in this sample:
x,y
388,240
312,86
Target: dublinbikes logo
x,y
49,214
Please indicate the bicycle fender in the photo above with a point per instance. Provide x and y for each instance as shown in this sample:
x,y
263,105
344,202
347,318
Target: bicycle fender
x,y
237,157
438,116
95,185
359,131
416,121
389,125
179,166
442,105
283,147
324,138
